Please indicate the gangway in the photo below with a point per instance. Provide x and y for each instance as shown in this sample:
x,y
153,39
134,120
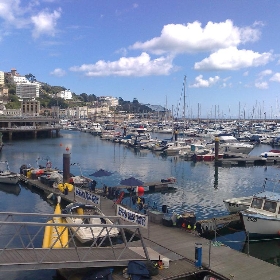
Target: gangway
x,y
21,237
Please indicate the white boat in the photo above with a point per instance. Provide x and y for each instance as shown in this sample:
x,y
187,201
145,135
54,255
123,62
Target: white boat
x,y
88,215
237,204
271,154
6,176
262,218
230,144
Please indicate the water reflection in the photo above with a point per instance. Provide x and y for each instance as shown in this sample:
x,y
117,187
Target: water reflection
x,y
10,189
266,250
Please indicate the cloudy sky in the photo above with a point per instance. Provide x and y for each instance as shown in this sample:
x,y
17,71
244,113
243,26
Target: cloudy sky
x,y
227,50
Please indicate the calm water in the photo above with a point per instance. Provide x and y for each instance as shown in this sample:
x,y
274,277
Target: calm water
x,y
198,188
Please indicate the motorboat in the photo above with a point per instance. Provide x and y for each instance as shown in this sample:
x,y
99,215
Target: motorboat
x,y
262,218
271,154
7,176
229,144
85,216
237,204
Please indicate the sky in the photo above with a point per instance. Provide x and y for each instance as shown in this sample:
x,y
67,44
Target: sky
x,y
202,58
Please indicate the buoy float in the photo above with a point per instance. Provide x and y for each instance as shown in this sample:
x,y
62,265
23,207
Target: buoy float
x,y
55,236
67,149
62,187
50,196
140,191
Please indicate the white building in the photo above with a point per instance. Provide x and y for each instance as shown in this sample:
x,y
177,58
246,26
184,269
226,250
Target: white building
x,y
65,94
27,90
20,80
109,100
2,78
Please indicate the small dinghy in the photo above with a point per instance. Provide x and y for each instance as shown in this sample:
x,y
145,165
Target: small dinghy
x,y
89,215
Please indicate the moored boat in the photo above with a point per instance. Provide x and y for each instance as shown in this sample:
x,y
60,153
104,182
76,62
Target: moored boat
x,y
262,218
237,204
7,176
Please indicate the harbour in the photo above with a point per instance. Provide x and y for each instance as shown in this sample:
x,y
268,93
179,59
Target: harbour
x,y
184,199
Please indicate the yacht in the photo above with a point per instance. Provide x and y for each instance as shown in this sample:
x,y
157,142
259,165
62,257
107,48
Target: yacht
x,y
229,144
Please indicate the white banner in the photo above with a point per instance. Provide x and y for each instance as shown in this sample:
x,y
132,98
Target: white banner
x,y
81,193
130,216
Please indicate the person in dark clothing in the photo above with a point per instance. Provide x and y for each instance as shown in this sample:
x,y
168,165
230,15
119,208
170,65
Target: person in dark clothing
x,y
93,185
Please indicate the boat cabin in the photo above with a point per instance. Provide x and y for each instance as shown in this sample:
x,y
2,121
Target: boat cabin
x,y
266,201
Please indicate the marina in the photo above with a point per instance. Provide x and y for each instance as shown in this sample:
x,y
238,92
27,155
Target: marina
x,y
185,198
159,238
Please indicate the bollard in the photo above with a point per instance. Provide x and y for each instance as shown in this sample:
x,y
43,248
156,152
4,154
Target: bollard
x,y
198,254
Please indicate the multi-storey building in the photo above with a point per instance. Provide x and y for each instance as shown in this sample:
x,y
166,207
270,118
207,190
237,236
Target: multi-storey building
x,y
109,100
28,90
65,94
2,78
30,107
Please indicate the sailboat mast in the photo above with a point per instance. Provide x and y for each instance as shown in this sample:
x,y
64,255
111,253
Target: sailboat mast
x,y
184,106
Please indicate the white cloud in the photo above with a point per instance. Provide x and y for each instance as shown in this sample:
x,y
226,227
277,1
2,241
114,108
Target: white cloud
x,y
13,14
246,73
58,72
233,59
142,65
45,23
16,15
192,37
275,77
200,82
265,73
261,85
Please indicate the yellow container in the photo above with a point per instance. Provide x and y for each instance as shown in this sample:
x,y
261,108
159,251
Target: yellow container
x,y
80,211
29,174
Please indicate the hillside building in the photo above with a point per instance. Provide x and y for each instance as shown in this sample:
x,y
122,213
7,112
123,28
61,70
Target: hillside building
x,y
2,78
27,90
65,94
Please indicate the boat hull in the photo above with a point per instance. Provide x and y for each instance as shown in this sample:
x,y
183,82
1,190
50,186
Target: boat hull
x,y
260,225
9,179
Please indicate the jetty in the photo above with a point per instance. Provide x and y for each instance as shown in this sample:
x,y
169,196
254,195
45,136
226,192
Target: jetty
x,y
178,246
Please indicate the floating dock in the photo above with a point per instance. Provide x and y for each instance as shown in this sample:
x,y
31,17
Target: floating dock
x,y
178,245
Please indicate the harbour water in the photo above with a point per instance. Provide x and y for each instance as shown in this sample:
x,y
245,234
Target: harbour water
x,y
200,186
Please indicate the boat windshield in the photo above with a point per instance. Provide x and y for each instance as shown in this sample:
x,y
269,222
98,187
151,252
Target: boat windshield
x,y
257,203
270,206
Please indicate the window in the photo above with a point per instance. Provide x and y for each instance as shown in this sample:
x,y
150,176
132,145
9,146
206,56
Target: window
x,y
270,206
257,203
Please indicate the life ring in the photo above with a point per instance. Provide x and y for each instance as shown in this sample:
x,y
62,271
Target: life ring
x,y
49,164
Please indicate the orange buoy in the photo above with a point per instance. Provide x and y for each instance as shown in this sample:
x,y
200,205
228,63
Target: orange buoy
x,y
67,149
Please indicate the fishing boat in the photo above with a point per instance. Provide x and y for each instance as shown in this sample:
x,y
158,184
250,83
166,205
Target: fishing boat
x,y
237,204
6,176
86,216
262,218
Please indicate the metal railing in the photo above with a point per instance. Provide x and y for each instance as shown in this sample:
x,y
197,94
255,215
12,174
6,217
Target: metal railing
x,y
22,234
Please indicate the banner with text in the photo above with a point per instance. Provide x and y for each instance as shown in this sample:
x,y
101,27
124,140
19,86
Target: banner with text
x,y
130,216
81,193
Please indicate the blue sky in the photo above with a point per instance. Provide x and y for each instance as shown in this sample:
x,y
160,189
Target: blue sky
x,y
228,51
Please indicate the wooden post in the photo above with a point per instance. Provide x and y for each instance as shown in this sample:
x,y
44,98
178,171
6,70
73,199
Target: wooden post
x,y
66,168
216,149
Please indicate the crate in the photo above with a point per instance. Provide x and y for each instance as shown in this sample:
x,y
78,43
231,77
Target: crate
x,y
155,216
167,220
